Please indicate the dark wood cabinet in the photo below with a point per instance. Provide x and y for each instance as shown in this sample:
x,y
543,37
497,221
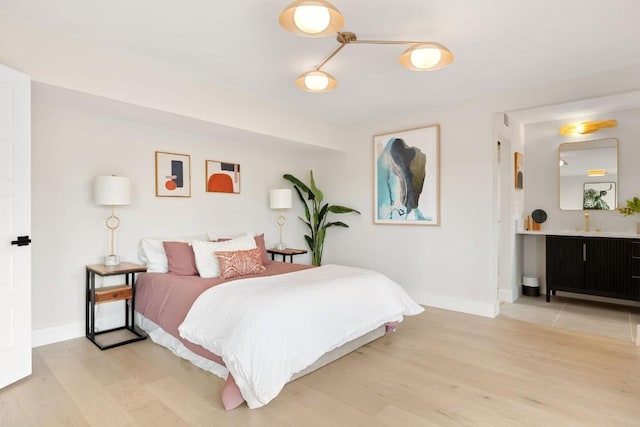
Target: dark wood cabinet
x,y
565,268
608,267
635,268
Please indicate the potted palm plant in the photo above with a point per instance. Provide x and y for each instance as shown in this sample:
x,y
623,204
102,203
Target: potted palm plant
x,y
316,214
632,208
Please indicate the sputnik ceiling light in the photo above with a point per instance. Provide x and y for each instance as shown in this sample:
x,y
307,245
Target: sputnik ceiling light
x,y
318,18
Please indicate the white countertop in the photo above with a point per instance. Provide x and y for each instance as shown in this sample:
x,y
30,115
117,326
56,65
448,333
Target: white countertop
x,y
619,234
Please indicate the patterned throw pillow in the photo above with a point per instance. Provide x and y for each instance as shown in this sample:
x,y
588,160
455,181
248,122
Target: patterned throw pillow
x,y
204,252
239,263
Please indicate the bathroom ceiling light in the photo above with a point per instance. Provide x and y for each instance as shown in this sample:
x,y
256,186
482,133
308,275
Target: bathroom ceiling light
x,y
315,18
596,172
587,127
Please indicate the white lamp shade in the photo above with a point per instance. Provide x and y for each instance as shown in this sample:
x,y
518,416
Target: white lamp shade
x,y
280,199
112,190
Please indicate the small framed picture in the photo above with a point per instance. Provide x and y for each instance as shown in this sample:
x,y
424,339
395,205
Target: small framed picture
x,y
173,175
519,171
222,177
599,196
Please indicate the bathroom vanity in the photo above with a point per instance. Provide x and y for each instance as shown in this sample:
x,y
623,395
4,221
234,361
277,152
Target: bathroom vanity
x,y
603,266
593,263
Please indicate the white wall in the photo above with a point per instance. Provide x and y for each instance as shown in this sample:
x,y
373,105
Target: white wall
x,y
509,201
449,266
77,137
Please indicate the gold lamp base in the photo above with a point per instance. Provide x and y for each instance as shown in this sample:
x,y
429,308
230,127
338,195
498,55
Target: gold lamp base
x,y
281,221
112,223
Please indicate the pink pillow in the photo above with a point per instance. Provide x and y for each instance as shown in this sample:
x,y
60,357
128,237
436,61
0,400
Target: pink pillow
x,y
180,258
263,249
239,263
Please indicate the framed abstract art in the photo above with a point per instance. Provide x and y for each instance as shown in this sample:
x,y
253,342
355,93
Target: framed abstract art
x,y
222,177
407,177
518,168
173,175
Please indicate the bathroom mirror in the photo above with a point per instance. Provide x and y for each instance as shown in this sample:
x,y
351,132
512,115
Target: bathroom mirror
x,y
588,175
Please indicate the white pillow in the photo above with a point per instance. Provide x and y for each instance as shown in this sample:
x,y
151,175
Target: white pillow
x,y
213,236
207,262
151,252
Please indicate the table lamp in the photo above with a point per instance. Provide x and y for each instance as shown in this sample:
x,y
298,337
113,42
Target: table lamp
x,y
112,191
280,199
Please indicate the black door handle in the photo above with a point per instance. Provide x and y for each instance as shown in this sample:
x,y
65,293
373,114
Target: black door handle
x,y
22,241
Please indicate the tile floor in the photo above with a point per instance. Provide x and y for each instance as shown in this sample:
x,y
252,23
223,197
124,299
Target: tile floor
x,y
599,318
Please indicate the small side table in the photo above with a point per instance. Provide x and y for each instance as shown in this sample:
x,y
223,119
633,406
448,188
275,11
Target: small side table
x,y
125,292
286,252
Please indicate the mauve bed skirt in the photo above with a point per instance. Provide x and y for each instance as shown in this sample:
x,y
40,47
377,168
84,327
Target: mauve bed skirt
x,y
231,397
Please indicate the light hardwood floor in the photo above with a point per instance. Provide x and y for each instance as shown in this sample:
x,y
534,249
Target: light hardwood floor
x,y
439,369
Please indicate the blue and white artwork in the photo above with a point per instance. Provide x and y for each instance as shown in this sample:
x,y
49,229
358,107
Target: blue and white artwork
x,y
407,177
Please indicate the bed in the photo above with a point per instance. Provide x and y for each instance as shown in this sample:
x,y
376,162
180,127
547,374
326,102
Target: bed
x,y
266,328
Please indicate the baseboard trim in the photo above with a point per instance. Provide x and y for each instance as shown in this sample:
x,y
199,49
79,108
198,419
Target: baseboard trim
x,y
485,309
44,336
54,334
506,295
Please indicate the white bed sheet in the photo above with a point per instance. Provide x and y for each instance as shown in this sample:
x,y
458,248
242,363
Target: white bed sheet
x,y
268,329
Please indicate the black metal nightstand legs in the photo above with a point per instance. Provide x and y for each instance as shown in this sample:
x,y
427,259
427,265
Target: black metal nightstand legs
x,y
129,309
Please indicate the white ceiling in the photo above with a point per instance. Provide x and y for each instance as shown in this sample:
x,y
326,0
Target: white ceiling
x,y
499,45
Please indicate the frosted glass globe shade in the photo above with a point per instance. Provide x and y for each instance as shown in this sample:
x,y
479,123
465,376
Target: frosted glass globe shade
x,y
312,19
316,81
425,58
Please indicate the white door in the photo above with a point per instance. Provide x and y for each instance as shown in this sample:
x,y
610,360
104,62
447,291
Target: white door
x,y
15,220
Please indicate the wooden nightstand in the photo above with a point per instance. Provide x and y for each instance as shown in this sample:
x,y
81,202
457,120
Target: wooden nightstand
x,y
125,292
286,252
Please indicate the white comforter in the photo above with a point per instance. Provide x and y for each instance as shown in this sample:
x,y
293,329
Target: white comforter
x,y
267,329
